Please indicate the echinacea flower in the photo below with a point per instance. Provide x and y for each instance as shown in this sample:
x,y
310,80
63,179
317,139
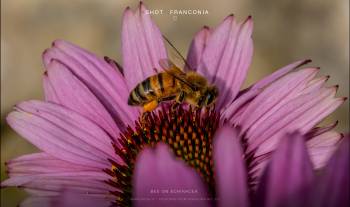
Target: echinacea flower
x,y
259,146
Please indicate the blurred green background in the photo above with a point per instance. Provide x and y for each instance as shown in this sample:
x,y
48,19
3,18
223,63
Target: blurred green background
x,y
284,31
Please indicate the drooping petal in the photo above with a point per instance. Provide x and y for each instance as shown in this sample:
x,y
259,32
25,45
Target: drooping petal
x,y
83,182
227,56
230,172
42,174
322,147
142,46
288,176
66,199
106,83
42,163
72,93
197,47
62,133
332,187
162,180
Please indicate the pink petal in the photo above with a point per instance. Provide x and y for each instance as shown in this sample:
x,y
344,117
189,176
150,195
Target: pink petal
x,y
42,163
62,133
301,113
291,116
320,130
232,109
332,187
197,47
315,85
158,175
49,91
316,115
278,74
83,182
230,170
42,174
275,95
142,46
227,57
114,64
288,176
106,83
322,147
72,93
235,109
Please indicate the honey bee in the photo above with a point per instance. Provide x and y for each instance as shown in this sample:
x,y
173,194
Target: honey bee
x,y
173,84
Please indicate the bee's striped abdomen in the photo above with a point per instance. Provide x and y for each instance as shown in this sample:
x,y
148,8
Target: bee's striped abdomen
x,y
142,93
134,97
156,87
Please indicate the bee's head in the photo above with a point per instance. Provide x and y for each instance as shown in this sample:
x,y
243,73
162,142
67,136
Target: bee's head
x,y
210,95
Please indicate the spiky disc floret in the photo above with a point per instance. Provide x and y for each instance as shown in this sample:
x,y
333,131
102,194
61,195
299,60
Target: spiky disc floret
x,y
188,132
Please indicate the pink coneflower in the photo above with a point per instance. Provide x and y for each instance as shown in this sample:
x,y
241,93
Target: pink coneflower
x,y
258,147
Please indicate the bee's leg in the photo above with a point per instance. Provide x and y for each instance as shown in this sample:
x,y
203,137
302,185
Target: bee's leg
x,y
150,106
180,97
147,108
178,100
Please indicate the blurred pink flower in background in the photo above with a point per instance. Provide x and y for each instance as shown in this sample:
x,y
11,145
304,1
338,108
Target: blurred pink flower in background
x,y
260,146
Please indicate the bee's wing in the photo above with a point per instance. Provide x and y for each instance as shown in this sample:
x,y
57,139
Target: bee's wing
x,y
167,64
170,68
174,55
